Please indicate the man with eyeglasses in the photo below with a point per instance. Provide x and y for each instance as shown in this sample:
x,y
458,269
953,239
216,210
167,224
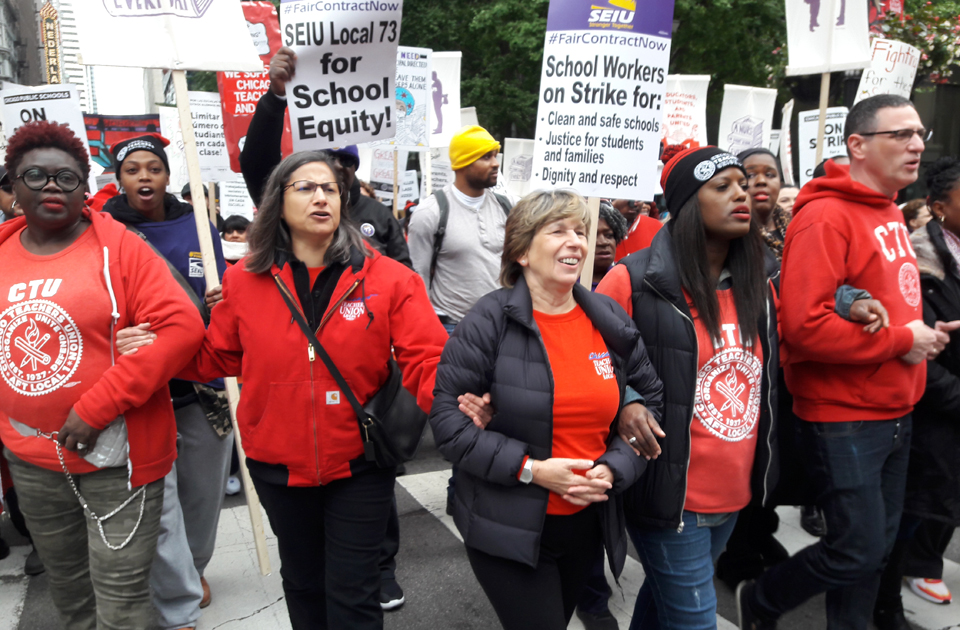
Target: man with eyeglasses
x,y
855,391
7,200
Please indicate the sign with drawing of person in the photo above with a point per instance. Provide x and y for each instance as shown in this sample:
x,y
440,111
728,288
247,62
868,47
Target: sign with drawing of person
x,y
826,36
413,106
445,93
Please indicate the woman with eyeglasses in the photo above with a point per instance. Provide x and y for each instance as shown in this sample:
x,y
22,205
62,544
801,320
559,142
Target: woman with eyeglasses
x,y
89,433
327,504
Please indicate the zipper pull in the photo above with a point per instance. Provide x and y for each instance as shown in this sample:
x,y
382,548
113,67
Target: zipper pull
x,y
311,353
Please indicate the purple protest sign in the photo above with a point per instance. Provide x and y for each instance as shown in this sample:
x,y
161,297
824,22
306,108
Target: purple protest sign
x,y
643,17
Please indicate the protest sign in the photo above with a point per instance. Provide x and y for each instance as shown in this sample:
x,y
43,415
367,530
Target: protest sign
x,y
517,165
234,199
468,116
445,92
105,131
175,34
826,35
774,145
786,144
409,189
240,91
437,164
833,146
893,67
381,171
602,90
413,104
746,117
59,103
170,128
208,129
685,109
344,90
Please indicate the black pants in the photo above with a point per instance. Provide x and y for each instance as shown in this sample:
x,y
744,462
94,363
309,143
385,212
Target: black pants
x,y
543,598
918,552
330,539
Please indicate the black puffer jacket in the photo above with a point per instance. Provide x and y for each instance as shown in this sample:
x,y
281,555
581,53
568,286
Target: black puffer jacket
x,y
933,477
661,314
497,348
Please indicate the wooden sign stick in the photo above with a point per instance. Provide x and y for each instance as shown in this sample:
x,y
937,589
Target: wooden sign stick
x,y
213,280
586,276
396,193
829,7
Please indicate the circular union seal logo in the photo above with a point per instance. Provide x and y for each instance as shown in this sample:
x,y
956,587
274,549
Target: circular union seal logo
x,y
705,170
41,347
910,284
728,394
367,230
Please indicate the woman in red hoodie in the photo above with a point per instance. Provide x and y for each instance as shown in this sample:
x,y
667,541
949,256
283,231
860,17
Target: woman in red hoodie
x,y
327,504
89,434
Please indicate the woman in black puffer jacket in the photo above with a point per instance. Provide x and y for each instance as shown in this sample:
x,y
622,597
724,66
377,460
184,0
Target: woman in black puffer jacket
x,y
537,489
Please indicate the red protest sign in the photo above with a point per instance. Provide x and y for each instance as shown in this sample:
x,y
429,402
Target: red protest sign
x,y
105,131
240,91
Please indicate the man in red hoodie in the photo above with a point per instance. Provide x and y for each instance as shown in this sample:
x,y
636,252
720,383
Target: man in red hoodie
x,y
854,390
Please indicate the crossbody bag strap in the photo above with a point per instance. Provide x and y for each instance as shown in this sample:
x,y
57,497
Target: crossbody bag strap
x,y
444,207
327,361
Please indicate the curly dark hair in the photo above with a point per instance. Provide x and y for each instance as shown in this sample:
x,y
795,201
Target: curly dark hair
x,y
42,134
618,224
942,177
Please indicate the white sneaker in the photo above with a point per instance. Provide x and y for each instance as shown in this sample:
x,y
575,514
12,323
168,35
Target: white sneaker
x,y
931,590
233,485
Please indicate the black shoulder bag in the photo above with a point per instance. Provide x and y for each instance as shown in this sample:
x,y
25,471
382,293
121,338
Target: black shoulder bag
x,y
391,424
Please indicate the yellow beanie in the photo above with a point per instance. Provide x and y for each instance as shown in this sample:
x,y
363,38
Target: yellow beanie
x,y
469,145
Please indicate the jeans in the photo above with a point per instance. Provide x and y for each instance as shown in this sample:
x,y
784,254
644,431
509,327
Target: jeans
x,y
543,598
859,471
330,540
92,586
678,591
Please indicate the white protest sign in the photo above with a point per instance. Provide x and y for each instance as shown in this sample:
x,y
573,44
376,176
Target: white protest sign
x,y
517,165
774,145
445,92
59,103
413,105
602,90
234,199
893,67
207,114
818,42
381,171
344,90
441,173
174,34
786,144
685,109
833,145
746,117
409,189
176,156
468,116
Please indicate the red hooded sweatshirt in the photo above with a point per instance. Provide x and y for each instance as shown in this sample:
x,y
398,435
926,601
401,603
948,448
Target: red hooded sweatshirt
x,y
846,233
292,414
59,316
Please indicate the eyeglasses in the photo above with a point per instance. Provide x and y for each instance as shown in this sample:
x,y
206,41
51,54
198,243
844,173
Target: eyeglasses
x,y
307,187
902,135
35,179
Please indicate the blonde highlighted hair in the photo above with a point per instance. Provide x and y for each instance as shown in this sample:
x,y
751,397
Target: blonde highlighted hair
x,y
528,217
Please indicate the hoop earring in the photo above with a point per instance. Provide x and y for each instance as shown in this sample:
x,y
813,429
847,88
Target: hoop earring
x,y
940,218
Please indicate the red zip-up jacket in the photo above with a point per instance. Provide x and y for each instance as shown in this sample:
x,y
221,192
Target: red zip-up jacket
x,y
141,290
292,414
846,233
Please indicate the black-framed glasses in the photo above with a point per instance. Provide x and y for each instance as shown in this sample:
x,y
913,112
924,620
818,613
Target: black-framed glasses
x,y
307,187
35,179
901,135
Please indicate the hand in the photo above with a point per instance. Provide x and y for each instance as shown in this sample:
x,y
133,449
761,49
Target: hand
x,y
870,312
282,68
556,475
589,493
477,408
76,432
927,342
636,421
213,297
129,339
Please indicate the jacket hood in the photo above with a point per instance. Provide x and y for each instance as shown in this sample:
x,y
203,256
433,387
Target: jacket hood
x,y
837,184
120,209
933,257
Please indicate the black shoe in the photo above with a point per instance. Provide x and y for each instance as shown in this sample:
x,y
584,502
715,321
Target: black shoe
x,y
33,565
601,621
450,504
4,549
811,520
401,470
391,595
890,620
749,620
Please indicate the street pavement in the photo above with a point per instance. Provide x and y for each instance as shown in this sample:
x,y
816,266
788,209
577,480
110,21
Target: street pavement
x,y
432,568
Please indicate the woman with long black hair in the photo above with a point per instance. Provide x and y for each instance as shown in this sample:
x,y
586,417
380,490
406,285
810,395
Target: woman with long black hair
x,y
701,298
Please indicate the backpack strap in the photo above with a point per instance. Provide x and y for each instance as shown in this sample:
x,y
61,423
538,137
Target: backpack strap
x,y
444,205
504,203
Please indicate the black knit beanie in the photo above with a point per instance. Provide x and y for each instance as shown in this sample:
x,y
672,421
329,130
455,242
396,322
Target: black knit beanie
x,y
688,170
152,142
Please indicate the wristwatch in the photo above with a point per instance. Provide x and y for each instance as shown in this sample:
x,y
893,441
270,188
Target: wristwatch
x,y
526,473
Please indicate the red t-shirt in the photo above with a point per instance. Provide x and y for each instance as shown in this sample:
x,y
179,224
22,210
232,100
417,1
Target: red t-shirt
x,y
723,431
55,340
586,397
639,237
